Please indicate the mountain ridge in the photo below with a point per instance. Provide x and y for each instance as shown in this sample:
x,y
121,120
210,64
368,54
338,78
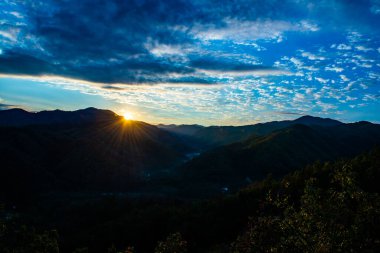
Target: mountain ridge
x,y
278,153
213,136
20,117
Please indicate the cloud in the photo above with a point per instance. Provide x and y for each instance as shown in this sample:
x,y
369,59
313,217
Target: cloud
x,y
334,68
290,113
198,58
312,57
151,41
226,65
344,78
322,80
15,63
343,47
375,8
9,34
363,48
6,107
240,31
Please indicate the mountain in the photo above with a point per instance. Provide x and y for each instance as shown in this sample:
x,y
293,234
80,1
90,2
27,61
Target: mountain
x,y
317,121
97,150
278,153
88,149
19,117
213,136
188,130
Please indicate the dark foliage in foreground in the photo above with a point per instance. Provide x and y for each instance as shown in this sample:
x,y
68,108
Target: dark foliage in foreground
x,y
329,207
335,217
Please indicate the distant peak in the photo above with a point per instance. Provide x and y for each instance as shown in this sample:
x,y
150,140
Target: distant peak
x,y
15,110
363,122
312,120
91,109
19,117
309,117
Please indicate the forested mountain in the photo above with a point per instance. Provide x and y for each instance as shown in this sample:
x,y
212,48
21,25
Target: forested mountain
x,y
82,150
20,117
97,150
213,136
112,185
279,152
325,207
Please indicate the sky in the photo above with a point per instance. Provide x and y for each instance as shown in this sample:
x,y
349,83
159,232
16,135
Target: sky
x,y
224,62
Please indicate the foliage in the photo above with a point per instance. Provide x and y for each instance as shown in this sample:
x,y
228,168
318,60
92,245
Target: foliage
x,y
173,244
113,249
28,240
326,207
338,218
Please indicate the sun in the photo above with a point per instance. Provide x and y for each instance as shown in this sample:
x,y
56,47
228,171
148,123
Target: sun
x,y
128,116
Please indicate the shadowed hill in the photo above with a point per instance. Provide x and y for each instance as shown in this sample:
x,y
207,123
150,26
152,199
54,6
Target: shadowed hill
x,y
19,117
213,136
83,150
279,152
98,150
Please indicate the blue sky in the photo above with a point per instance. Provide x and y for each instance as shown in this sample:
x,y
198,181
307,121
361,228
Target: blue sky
x,y
207,62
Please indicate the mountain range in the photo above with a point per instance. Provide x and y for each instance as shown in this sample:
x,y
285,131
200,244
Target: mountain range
x,y
97,150
213,136
278,153
88,149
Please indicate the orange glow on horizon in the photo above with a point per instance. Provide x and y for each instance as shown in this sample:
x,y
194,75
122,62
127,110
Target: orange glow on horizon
x,y
128,116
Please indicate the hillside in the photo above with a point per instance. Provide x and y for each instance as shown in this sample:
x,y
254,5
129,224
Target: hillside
x,y
277,153
214,136
292,214
83,150
20,117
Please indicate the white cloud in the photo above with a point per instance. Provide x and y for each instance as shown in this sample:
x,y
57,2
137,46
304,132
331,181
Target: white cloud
x,y
348,98
363,48
325,106
322,80
296,62
369,97
312,57
343,47
167,50
10,34
344,78
16,14
373,75
240,31
231,74
309,91
335,69
252,44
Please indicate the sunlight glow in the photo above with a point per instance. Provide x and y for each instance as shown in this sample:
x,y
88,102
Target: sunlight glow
x,y
128,116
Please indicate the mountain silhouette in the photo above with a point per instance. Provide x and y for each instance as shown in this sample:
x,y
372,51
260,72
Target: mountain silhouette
x,y
19,117
87,149
97,150
213,136
280,152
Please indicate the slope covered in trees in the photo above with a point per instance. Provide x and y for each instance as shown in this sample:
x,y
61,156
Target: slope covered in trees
x,y
100,152
325,207
278,153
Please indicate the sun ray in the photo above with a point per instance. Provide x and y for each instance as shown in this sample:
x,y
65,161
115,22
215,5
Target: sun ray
x,y
128,116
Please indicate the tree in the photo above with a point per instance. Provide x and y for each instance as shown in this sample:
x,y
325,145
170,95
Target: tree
x,y
339,217
173,244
